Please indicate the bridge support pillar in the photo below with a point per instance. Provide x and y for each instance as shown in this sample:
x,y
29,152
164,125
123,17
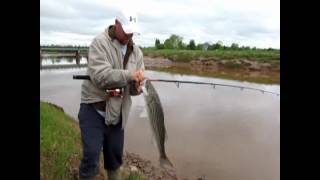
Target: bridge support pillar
x,y
78,57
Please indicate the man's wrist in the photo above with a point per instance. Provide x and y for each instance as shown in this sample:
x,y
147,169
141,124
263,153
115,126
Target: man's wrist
x,y
129,75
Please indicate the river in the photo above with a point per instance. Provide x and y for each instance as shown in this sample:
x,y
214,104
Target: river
x,y
219,133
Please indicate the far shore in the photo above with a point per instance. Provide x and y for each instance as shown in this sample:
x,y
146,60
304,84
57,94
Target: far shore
x,y
242,69
235,69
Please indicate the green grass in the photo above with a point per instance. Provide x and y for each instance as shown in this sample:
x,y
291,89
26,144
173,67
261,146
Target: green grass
x,y
60,145
59,142
188,55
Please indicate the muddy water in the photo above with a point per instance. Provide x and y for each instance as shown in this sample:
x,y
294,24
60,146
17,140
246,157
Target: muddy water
x,y
62,61
221,133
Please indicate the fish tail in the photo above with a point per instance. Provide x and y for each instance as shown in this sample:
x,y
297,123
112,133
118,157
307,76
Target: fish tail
x,y
165,162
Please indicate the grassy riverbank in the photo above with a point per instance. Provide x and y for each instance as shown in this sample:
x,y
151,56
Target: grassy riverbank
x,y
255,77
59,143
188,55
259,66
60,146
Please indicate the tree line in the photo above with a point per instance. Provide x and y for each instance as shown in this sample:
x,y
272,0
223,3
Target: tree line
x,y
176,42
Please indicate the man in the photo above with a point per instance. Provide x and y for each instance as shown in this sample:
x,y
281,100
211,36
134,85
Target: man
x,y
115,67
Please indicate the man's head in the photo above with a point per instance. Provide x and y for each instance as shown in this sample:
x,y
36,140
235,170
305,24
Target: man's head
x,y
126,24
121,35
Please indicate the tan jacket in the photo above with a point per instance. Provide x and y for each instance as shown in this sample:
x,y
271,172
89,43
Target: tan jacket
x,y
106,71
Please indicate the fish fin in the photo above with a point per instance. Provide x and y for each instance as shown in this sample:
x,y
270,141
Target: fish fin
x,y
165,162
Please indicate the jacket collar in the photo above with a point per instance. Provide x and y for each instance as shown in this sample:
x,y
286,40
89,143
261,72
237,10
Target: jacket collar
x,y
108,32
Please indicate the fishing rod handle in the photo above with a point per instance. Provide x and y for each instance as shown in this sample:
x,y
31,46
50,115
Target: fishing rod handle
x,y
133,91
81,77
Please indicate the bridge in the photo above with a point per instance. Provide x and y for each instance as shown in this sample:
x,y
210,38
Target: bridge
x,y
59,52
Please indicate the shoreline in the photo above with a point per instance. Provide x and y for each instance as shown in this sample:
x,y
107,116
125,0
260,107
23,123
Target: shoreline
x,y
242,69
236,69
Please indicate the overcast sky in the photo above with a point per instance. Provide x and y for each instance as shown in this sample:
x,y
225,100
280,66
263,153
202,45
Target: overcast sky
x,y
246,22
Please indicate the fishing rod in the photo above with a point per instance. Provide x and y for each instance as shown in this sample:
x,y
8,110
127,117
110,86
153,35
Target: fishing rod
x,y
86,77
212,84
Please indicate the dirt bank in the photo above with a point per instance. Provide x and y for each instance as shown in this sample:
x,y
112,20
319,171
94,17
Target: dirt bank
x,y
132,163
238,69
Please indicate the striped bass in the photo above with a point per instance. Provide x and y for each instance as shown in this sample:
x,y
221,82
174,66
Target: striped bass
x,y
156,117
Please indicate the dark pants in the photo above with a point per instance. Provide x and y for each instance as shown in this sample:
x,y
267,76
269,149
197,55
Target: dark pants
x,y
96,135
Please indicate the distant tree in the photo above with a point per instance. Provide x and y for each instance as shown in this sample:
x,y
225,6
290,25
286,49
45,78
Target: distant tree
x,y
174,42
181,45
219,44
192,45
161,46
245,48
157,43
234,46
215,46
168,44
199,46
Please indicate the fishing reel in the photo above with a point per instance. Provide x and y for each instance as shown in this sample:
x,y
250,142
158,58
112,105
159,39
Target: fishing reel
x,y
115,92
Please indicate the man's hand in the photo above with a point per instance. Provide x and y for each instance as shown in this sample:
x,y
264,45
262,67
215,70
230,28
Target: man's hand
x,y
138,85
138,76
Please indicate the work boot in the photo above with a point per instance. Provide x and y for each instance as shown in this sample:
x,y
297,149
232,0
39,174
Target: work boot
x,y
113,174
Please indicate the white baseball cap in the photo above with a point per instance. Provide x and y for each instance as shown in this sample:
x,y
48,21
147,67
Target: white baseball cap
x,y
129,21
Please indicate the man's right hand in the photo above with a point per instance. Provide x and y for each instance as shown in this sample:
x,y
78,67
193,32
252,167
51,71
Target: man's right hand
x,y
138,75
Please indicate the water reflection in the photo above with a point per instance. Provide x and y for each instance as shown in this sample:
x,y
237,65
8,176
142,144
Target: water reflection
x,y
62,61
